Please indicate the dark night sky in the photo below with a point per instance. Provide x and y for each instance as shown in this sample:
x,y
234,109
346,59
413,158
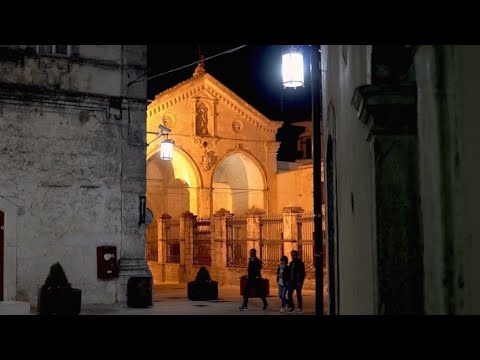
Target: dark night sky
x,y
253,73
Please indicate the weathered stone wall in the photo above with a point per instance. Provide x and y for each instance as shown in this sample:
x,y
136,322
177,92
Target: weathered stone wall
x,y
448,86
72,160
344,67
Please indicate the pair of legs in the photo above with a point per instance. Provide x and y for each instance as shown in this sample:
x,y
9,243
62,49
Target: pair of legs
x,y
282,294
259,286
298,288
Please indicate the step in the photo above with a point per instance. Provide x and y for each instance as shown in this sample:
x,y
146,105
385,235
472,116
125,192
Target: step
x,y
14,308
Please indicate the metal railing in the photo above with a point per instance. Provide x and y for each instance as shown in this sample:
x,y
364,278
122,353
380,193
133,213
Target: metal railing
x,y
173,242
236,242
306,243
271,241
201,242
151,245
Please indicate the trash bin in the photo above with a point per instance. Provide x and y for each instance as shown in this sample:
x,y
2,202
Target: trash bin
x,y
139,292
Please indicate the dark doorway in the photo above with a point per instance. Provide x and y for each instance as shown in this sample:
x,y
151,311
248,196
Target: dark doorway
x,y
2,230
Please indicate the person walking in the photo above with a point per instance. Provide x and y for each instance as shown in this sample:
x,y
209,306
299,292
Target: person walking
x,y
283,274
254,280
297,276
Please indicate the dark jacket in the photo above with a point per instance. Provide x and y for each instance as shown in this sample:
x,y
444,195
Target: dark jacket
x,y
285,275
254,267
297,271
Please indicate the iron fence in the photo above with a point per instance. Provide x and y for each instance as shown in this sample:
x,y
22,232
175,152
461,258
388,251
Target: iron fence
x,y
306,243
151,245
236,242
271,241
172,242
202,242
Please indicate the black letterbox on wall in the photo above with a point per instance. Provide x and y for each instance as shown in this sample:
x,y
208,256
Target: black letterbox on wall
x,y
107,262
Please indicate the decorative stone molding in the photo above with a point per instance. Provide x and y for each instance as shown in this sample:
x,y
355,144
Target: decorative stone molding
x,y
386,109
187,214
272,147
254,210
206,144
6,67
208,160
206,84
169,120
222,213
53,69
165,216
237,126
292,210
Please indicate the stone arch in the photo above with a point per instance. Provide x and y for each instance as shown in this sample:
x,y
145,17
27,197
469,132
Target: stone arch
x,y
167,179
238,182
8,272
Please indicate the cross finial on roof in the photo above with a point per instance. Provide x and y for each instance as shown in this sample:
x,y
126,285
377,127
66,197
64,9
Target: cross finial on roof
x,y
200,69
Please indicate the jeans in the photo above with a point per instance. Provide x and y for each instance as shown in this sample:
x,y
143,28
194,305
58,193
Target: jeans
x,y
282,294
294,286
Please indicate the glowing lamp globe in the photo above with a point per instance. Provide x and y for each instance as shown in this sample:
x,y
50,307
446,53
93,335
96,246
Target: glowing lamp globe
x,y
166,149
292,69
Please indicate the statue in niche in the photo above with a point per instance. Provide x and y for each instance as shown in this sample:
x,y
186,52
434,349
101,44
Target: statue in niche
x,y
202,119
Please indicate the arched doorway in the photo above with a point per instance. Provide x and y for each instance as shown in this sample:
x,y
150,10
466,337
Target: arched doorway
x,y
172,186
238,184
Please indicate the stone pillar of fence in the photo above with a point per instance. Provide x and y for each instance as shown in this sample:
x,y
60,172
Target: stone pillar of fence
x,y
219,244
290,228
186,245
162,237
253,216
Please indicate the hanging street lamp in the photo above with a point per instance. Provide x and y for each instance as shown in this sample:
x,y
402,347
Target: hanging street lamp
x,y
292,68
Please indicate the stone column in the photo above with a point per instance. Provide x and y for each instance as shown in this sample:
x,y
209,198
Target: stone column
x,y
253,217
270,193
205,206
186,245
219,244
389,112
132,262
290,228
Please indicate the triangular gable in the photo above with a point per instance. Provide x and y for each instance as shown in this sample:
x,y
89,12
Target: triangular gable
x,y
205,86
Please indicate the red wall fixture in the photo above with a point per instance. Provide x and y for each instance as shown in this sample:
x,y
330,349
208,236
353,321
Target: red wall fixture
x,y
107,265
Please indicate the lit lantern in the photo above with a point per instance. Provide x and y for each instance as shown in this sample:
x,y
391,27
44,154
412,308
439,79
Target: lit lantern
x,y
166,149
292,69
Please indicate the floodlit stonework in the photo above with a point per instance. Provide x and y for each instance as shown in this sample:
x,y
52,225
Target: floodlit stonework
x,y
224,154
222,193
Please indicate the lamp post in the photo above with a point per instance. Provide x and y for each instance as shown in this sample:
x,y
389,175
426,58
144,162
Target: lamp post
x,y
292,70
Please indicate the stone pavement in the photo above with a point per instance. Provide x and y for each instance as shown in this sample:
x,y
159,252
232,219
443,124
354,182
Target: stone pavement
x,y
171,299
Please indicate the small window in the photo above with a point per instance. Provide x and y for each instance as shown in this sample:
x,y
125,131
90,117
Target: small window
x,y
61,50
